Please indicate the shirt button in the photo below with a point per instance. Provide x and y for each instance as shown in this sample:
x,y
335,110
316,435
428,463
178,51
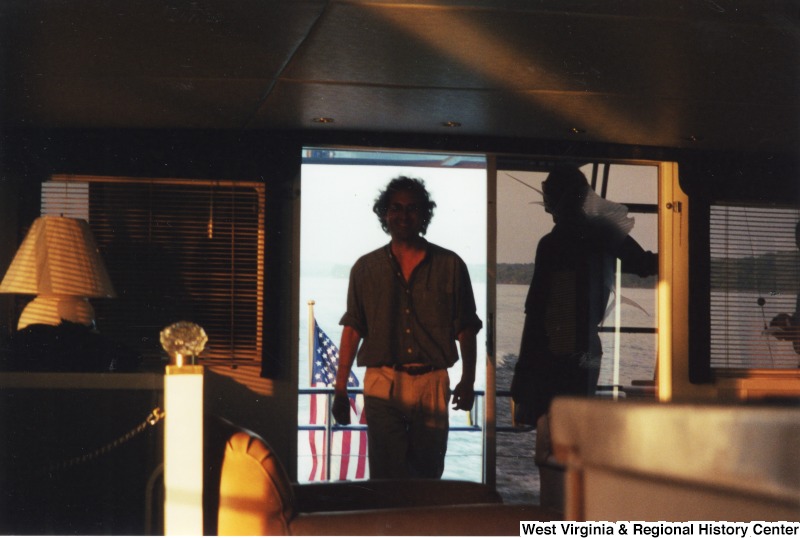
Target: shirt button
x,y
408,311
410,351
408,331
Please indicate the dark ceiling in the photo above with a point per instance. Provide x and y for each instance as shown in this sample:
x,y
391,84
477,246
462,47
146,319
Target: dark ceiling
x,y
705,74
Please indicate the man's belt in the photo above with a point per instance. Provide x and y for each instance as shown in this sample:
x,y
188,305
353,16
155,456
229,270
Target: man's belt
x,y
415,369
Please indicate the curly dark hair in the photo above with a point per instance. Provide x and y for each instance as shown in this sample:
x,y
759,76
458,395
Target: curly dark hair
x,y
403,183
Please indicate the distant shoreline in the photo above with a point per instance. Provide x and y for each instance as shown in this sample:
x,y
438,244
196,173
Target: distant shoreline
x,y
507,273
521,274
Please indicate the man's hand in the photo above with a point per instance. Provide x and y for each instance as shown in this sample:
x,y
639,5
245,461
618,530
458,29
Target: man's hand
x,y
463,396
341,409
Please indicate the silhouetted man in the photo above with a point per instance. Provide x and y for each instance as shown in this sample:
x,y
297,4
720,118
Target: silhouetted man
x,y
574,271
407,304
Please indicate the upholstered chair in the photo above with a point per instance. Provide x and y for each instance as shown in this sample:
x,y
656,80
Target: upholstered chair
x,y
257,498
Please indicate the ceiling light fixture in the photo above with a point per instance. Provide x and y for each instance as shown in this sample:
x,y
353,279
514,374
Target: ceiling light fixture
x,y
323,119
577,130
451,124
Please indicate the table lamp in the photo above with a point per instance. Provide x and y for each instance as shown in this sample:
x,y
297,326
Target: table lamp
x,y
59,263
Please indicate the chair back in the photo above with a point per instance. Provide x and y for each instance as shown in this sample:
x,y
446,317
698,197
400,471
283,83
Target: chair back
x,y
255,495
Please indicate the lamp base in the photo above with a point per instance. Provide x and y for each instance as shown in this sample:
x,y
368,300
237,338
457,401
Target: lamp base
x,y
51,309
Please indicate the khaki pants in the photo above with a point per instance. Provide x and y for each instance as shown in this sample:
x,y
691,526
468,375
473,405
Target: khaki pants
x,y
407,422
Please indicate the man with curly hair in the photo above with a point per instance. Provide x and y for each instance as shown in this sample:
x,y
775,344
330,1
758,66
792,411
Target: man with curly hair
x,y
408,303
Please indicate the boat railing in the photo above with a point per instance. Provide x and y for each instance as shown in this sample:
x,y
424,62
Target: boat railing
x,y
473,424
638,389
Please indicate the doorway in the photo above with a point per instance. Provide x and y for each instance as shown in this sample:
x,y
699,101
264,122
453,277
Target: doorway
x,y
337,226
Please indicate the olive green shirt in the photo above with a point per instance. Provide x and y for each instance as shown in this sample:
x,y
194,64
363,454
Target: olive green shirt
x,y
410,322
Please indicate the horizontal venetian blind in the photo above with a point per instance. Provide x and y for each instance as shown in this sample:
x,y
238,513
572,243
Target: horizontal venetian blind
x,y
755,276
175,250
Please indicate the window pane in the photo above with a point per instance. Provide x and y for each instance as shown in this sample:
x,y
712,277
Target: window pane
x,y
754,280
522,222
338,226
632,184
629,355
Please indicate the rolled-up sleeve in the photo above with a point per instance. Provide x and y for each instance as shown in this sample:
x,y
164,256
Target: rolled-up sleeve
x,y
466,315
354,316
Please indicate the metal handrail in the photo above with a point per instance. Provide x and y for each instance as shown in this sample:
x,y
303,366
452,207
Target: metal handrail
x,y
358,427
479,394
330,426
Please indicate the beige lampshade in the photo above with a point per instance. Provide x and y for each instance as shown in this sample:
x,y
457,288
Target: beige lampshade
x,y
59,262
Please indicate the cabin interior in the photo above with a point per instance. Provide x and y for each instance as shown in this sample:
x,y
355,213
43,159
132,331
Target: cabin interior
x,y
208,94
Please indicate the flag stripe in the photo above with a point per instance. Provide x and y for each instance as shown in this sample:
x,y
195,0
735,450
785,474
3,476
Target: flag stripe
x,y
345,457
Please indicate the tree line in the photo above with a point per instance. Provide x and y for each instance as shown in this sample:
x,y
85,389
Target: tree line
x,y
521,274
768,272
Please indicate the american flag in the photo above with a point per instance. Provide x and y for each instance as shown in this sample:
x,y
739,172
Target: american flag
x,y
346,446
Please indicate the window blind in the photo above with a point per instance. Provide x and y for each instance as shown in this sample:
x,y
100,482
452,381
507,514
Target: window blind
x,y
175,250
755,276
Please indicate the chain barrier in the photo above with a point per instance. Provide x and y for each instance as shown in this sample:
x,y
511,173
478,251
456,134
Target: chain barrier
x,y
152,419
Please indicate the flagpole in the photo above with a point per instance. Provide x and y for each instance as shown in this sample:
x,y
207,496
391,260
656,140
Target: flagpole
x,y
311,304
617,323
328,433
